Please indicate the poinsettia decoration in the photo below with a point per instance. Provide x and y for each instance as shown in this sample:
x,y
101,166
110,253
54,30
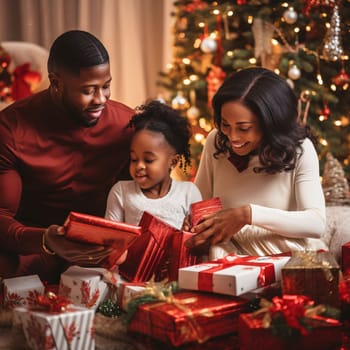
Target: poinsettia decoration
x,y
12,300
85,294
32,298
17,84
70,331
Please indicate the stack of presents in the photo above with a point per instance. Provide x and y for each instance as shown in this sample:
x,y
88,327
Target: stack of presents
x,y
163,291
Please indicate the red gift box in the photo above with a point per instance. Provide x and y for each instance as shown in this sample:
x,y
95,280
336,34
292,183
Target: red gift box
x,y
189,317
204,207
181,256
345,258
148,255
252,335
96,230
315,274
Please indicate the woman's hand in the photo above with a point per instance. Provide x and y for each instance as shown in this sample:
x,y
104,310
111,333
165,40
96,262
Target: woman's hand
x,y
220,226
82,254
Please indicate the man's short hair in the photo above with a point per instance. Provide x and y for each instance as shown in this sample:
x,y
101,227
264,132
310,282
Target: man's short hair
x,y
74,50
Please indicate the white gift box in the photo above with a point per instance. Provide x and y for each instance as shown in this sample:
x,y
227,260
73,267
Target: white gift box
x,y
22,291
233,278
127,291
83,286
70,330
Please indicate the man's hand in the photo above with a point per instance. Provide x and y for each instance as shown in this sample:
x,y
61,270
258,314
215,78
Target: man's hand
x,y
77,253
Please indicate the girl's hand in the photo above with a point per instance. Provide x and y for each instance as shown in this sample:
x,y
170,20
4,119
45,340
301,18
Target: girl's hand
x,y
186,226
220,226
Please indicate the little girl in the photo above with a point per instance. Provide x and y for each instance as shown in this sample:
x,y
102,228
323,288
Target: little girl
x,y
160,142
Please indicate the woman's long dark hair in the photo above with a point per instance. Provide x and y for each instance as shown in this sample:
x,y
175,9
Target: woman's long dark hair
x,y
275,105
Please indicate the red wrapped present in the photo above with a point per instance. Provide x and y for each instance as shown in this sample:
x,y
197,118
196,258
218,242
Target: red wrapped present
x,y
149,254
204,207
315,274
233,275
187,317
181,256
289,323
345,258
96,230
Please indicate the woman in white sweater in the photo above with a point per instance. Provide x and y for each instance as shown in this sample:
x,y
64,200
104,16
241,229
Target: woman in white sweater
x,y
262,164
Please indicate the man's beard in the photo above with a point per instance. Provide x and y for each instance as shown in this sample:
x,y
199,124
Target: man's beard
x,y
76,114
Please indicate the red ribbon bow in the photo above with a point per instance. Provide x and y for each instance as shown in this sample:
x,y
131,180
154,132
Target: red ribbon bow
x,y
292,308
52,303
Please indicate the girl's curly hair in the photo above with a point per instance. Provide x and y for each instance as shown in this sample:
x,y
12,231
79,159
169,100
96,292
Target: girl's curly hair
x,y
159,117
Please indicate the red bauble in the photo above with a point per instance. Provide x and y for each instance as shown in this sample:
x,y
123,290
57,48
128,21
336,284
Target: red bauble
x,y
342,78
326,112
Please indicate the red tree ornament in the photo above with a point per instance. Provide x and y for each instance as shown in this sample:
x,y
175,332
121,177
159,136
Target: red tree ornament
x,y
326,112
342,78
214,79
195,5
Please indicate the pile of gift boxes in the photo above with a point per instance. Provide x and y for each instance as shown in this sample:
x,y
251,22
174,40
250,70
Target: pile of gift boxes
x,y
181,299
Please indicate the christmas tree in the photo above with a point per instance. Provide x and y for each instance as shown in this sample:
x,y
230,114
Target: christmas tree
x,y
302,41
335,186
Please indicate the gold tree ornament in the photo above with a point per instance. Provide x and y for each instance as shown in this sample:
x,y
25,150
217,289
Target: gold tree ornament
x,y
334,184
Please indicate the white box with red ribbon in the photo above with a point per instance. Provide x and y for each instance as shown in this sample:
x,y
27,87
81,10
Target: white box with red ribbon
x,y
72,329
233,275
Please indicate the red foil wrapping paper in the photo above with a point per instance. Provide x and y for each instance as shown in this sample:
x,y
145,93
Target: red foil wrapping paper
x,y
96,230
204,207
148,255
191,317
314,274
252,335
181,256
345,258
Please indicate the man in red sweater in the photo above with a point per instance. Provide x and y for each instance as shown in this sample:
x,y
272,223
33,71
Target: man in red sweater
x,y
61,150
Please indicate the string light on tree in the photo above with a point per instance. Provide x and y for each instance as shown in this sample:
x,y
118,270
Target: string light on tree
x,y
333,49
180,102
193,112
